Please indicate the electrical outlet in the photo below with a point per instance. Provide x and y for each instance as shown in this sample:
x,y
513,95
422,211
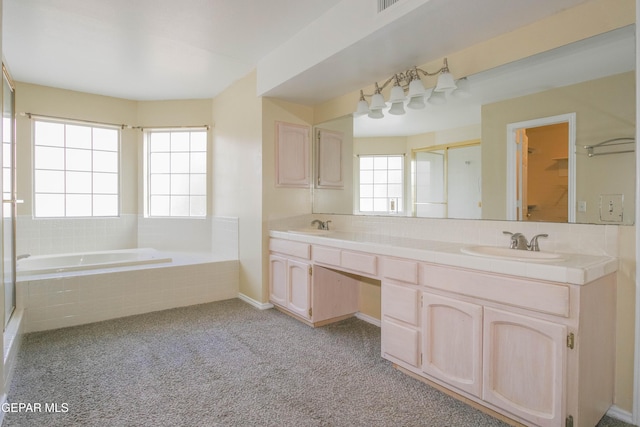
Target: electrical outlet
x,y
611,207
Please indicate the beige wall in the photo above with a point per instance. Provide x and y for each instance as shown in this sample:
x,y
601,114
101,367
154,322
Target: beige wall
x,y
625,325
237,176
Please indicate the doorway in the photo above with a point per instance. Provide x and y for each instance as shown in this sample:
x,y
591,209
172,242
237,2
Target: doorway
x,y
541,169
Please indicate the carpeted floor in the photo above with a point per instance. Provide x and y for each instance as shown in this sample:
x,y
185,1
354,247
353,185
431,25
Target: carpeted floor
x,y
224,364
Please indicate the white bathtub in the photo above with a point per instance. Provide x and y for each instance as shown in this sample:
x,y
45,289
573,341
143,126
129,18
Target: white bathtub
x,y
46,264
63,290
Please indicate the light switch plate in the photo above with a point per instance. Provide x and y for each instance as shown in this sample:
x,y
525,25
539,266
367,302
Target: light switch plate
x,y
611,207
582,206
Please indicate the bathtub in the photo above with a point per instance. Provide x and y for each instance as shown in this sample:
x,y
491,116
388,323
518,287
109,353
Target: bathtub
x,y
64,290
45,264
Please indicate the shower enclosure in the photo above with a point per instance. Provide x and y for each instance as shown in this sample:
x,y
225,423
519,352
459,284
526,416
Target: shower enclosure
x,y
8,195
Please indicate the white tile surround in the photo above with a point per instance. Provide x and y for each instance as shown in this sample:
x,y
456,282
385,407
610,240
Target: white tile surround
x,y
83,297
74,299
218,235
586,239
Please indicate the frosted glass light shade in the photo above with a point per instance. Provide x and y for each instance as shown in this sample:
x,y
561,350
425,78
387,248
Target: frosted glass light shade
x,y
463,89
416,102
445,82
397,94
397,108
415,88
363,108
377,102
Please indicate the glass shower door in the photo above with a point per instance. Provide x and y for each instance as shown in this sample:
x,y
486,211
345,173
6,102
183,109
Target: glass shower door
x,y
8,196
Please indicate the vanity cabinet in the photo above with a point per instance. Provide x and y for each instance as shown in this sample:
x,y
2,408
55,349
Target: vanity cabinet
x,y
311,293
539,352
290,285
529,349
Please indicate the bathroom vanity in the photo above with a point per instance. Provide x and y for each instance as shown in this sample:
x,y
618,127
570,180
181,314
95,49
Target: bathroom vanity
x,y
533,341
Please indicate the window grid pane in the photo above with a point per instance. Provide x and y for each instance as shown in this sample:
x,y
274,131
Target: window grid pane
x,y
381,184
75,170
177,167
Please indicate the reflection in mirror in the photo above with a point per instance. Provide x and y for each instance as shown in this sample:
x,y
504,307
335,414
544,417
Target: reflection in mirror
x,y
447,182
593,78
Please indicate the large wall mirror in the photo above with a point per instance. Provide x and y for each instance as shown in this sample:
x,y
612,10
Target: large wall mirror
x,y
456,161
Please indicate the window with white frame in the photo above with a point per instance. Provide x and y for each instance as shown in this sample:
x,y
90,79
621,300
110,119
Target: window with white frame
x,y
176,173
381,188
76,169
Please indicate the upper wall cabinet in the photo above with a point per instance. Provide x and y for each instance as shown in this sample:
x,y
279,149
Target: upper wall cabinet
x,y
329,157
292,155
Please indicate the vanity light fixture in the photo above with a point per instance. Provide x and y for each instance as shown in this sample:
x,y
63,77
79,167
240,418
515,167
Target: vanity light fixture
x,y
409,91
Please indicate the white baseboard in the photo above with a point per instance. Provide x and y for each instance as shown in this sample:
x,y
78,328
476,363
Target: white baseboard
x,y
368,319
257,304
620,414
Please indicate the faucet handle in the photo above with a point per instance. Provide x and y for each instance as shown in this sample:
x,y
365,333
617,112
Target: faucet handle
x,y
533,245
518,241
326,224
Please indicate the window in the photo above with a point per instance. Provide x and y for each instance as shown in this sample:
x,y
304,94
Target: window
x,y
75,170
382,184
176,173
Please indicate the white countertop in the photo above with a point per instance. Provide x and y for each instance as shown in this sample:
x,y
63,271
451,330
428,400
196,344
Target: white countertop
x,y
573,268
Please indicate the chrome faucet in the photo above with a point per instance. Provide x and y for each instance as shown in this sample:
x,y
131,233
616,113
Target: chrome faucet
x,y
321,225
518,241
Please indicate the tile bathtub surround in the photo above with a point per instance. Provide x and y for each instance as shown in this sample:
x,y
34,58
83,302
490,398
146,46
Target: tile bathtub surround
x,y
64,235
67,301
69,235
585,239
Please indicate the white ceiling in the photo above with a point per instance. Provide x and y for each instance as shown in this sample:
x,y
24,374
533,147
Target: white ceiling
x,y
170,49
147,49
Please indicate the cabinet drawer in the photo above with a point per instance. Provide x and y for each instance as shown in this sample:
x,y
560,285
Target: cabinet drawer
x,y
399,269
400,342
400,302
287,247
359,262
325,255
543,297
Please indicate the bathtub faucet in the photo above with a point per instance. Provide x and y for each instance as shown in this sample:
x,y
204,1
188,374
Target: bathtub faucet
x,y
19,257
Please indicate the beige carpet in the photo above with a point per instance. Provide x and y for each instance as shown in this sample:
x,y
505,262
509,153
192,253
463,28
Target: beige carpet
x,y
223,364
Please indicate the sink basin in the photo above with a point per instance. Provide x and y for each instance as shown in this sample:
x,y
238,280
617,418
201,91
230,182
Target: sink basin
x,y
311,231
511,254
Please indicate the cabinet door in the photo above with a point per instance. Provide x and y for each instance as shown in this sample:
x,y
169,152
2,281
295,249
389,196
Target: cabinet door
x,y
329,156
292,155
299,288
452,342
278,280
524,366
